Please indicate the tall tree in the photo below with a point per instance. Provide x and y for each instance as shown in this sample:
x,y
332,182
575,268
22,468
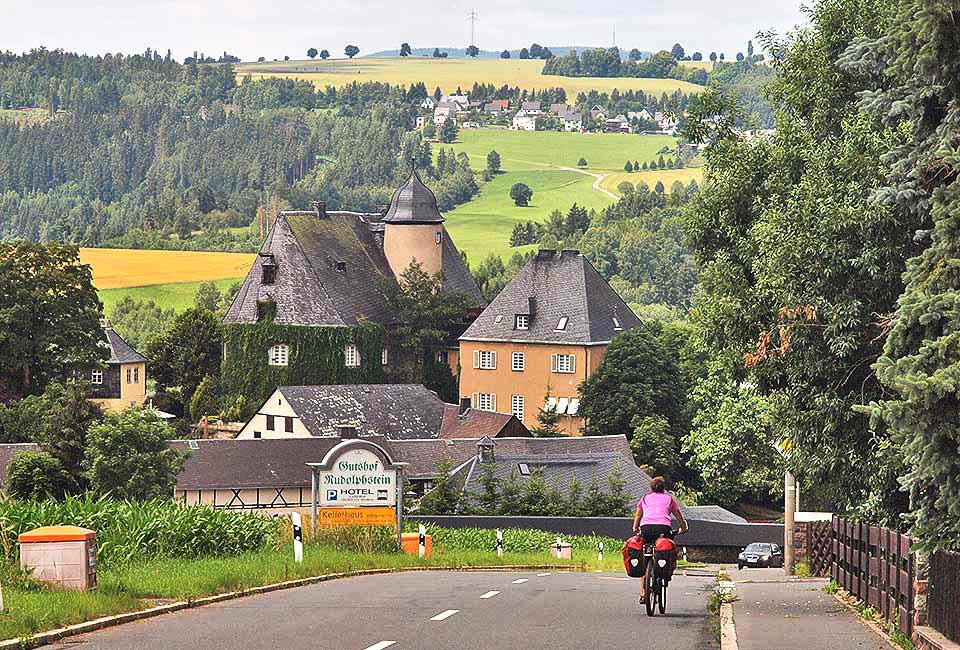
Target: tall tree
x,y
312,52
473,51
324,54
405,49
49,317
505,54
187,352
351,51
677,52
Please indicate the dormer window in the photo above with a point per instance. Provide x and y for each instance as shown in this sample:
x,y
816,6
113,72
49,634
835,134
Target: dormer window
x,y
521,321
562,324
341,267
269,274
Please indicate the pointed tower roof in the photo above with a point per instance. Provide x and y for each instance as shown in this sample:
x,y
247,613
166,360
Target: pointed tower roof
x,y
413,202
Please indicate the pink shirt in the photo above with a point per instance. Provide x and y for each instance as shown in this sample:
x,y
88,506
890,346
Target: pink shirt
x,y
657,507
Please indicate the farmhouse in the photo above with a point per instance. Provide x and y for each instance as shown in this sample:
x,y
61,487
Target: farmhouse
x,y
122,382
396,411
618,124
312,309
445,111
543,335
598,113
463,101
523,121
571,121
559,109
496,107
531,108
643,115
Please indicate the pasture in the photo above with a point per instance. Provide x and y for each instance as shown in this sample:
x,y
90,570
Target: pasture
x,y
173,295
665,176
448,74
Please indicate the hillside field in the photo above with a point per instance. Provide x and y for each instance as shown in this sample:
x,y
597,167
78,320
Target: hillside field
x,y
483,225
666,176
115,268
448,74
174,295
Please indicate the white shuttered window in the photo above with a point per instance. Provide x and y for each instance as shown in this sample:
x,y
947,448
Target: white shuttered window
x,y
485,359
565,363
484,401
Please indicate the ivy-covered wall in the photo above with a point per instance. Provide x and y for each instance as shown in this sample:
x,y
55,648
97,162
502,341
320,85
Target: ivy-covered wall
x,y
316,357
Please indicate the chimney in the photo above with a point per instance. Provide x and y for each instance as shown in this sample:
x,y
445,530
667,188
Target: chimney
x,y
464,406
347,431
320,208
532,306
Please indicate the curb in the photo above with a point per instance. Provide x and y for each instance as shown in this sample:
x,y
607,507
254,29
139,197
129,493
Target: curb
x,y
50,636
728,628
873,626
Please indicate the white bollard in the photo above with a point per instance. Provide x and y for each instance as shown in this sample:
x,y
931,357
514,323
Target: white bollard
x,y
600,552
499,543
423,541
297,537
684,553
559,548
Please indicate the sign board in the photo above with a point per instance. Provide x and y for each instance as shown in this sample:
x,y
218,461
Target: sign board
x,y
358,478
357,517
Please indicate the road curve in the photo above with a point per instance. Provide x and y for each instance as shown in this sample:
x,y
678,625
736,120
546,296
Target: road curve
x,y
432,610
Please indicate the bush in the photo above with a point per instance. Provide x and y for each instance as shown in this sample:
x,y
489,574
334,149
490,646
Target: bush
x,y
128,532
38,475
582,162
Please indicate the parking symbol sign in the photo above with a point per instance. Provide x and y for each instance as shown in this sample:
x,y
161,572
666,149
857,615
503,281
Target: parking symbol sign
x,y
331,495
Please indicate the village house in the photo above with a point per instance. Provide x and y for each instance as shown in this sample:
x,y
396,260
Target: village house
x,y
598,113
396,411
571,121
618,124
463,101
531,108
429,103
122,381
643,115
312,309
445,111
422,121
496,107
524,121
543,335
666,123
559,109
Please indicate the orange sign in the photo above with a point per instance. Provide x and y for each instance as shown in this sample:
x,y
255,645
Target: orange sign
x,y
372,516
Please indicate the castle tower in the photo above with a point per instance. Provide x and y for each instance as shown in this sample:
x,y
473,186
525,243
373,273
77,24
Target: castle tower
x,y
413,228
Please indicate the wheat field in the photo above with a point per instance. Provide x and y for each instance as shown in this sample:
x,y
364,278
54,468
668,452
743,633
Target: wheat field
x,y
117,268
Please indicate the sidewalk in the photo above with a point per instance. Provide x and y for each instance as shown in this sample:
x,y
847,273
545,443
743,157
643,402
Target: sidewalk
x,y
773,612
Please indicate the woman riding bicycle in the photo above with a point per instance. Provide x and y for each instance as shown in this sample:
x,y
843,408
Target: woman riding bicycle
x,y
652,519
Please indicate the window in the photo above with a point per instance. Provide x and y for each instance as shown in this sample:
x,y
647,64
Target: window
x,y
518,361
136,374
129,375
96,377
257,435
485,359
516,406
522,322
279,355
270,423
351,356
562,405
562,324
484,401
288,424
384,357
565,363
442,356
524,469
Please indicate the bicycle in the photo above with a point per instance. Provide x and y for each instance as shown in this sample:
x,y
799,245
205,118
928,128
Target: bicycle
x,y
656,577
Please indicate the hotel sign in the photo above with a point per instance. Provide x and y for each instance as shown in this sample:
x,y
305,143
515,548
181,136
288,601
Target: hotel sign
x,y
358,478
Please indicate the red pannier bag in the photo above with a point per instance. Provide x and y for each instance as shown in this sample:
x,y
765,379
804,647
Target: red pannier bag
x,y
633,556
666,550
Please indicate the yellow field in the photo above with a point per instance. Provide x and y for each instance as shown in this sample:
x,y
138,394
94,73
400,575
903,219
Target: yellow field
x,y
115,268
706,64
448,74
665,176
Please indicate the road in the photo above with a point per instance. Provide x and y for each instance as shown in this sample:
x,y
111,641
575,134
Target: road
x,y
432,610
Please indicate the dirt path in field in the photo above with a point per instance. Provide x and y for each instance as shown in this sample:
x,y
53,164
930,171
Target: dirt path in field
x,y
598,178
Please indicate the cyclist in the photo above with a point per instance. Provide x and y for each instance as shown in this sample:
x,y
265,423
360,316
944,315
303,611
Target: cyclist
x,y
652,518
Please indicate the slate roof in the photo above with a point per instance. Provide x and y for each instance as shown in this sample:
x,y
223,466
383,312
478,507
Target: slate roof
x,y
397,411
530,106
120,350
559,284
216,464
425,455
475,423
330,265
413,202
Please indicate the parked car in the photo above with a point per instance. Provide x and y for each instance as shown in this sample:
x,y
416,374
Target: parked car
x,y
760,554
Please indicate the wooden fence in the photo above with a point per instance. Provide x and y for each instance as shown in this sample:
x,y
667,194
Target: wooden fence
x,y
875,565
943,597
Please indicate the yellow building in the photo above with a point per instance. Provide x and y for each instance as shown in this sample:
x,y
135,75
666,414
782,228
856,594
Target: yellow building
x,y
122,382
540,338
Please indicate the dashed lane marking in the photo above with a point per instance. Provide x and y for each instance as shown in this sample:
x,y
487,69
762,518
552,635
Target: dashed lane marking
x,y
381,645
490,594
613,578
519,581
442,616
540,575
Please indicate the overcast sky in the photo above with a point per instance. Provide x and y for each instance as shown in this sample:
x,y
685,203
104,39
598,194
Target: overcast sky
x,y
250,29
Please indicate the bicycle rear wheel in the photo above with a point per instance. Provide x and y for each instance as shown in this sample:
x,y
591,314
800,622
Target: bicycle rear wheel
x,y
662,596
651,583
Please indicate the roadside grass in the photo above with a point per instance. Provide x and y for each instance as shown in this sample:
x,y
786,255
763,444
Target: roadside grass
x,y
176,295
449,74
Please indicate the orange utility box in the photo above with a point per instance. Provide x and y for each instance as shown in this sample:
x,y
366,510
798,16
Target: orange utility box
x,y
62,555
410,542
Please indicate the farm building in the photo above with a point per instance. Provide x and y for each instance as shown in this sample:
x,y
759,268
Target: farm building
x,y
312,309
397,411
571,121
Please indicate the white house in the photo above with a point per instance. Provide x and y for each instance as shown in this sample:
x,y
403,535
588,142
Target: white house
x,y
643,114
531,108
571,121
429,103
463,101
445,111
524,121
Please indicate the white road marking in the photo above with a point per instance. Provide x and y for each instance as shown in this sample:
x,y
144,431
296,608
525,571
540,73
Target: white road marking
x,y
381,645
540,575
519,581
612,578
444,615
490,594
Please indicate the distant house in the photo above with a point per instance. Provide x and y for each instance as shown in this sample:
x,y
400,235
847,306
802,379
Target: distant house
x,y
571,121
618,124
559,109
598,113
666,123
123,382
470,125
524,121
429,103
504,104
643,115
496,107
531,108
397,411
422,121
445,111
463,101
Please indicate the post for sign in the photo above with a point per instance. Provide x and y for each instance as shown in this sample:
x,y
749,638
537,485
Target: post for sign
x,y
789,518
297,537
400,467
499,543
313,501
600,552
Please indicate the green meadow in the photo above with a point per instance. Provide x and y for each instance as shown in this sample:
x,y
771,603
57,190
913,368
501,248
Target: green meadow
x,y
176,295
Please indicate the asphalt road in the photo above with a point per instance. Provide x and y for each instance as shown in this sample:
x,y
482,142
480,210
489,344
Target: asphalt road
x,y
433,610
